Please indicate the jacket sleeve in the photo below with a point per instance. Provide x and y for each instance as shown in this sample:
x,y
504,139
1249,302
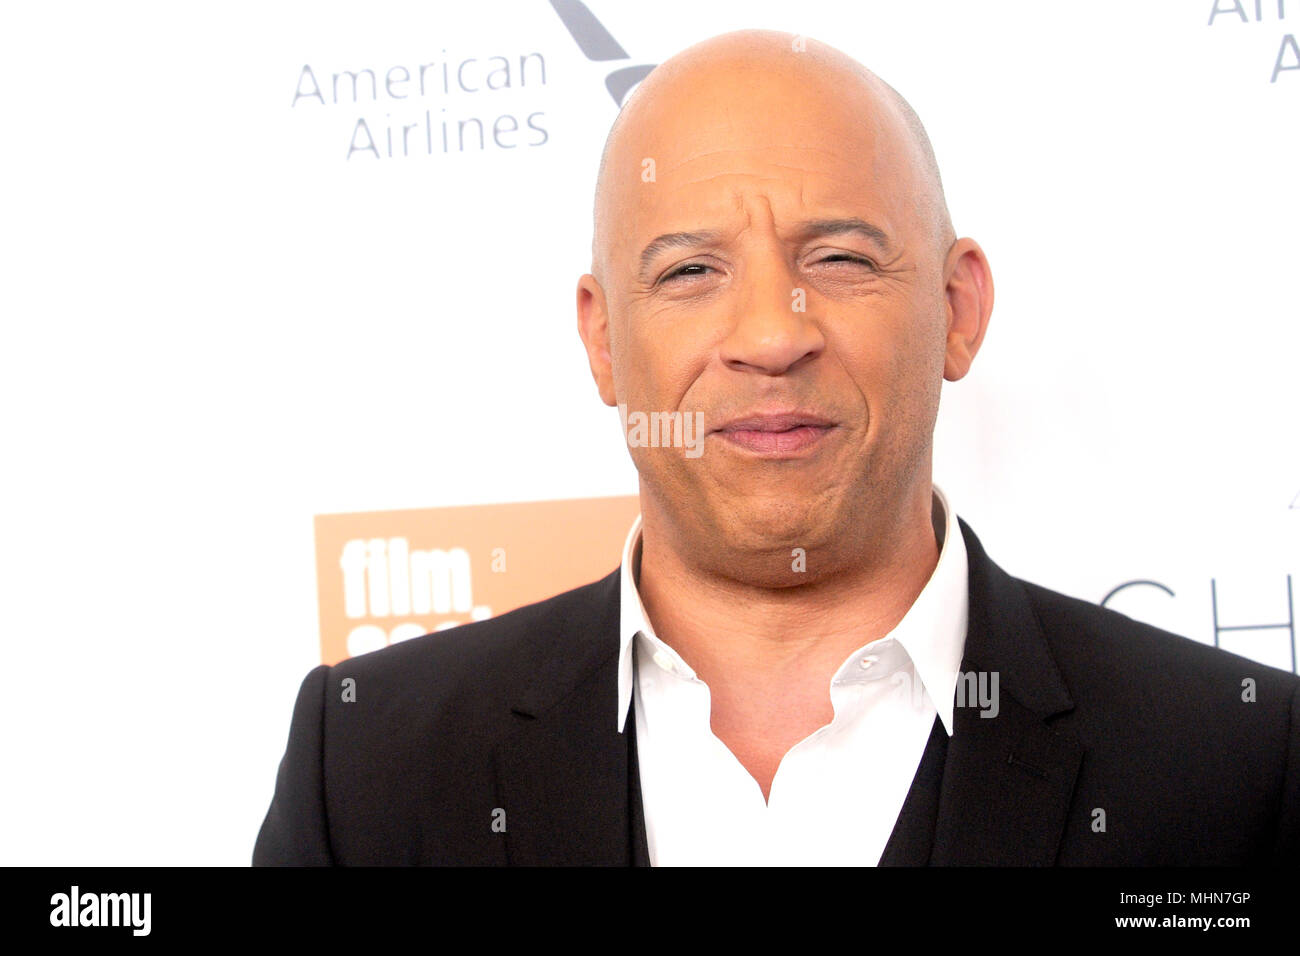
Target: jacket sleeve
x,y
295,831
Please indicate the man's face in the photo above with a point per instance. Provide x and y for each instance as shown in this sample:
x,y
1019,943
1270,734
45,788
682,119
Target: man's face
x,y
801,279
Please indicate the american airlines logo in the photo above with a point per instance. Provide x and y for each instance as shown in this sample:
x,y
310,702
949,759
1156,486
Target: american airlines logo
x,y
450,103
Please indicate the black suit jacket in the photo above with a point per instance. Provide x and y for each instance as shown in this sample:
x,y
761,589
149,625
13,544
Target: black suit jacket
x,y
511,721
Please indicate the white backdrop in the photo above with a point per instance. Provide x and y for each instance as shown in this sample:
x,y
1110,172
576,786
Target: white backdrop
x,y
217,325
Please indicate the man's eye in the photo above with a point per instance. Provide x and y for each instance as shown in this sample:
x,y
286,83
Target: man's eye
x,y
845,257
683,271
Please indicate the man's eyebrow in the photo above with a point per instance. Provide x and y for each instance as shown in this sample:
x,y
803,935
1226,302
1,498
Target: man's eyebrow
x,y
674,240
851,225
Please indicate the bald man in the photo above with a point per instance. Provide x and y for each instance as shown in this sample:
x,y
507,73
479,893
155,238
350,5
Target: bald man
x,y
805,655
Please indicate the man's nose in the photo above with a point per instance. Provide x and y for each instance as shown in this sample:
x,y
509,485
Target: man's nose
x,y
772,331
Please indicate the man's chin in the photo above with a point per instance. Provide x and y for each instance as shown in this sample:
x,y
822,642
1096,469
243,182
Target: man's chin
x,y
764,526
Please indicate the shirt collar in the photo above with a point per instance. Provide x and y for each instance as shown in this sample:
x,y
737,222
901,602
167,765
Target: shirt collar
x,y
933,631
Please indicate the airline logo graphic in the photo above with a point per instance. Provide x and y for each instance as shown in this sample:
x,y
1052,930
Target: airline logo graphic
x,y
452,103
388,576
598,44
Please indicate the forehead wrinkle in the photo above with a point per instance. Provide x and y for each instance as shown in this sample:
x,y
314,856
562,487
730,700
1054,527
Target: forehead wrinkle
x,y
855,185
712,177
797,183
764,161
761,150
802,170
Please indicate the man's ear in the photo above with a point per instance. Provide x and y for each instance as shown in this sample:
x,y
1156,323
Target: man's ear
x,y
593,327
968,289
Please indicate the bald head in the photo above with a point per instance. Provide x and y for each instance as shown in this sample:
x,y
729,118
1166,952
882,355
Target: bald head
x,y
770,74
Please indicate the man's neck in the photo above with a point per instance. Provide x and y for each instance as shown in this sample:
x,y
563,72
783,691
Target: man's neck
x,y
768,654
710,617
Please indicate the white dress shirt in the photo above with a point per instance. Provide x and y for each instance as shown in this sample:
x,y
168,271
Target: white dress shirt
x,y
837,793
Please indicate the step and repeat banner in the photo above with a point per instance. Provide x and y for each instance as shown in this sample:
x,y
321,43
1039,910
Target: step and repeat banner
x,y
291,369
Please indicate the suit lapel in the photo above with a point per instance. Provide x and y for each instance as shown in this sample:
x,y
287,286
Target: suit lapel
x,y
913,838
1007,779
564,775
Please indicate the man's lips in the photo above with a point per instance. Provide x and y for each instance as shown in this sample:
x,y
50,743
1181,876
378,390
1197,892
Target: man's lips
x,y
775,422
777,434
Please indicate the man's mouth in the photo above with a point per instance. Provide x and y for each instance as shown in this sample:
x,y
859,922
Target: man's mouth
x,y
776,435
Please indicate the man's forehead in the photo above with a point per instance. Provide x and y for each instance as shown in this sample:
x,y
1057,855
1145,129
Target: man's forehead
x,y
846,159
722,118
706,196
819,137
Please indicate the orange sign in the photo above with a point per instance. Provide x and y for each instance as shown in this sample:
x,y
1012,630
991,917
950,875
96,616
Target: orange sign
x,y
388,576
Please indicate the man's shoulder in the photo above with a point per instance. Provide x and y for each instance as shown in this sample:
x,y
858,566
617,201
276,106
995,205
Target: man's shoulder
x,y
391,755
1091,644
1177,737
1141,693
1084,635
